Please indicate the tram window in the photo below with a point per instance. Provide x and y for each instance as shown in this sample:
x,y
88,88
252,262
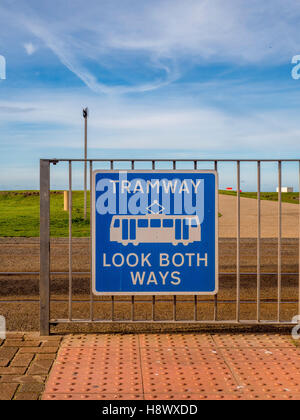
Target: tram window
x,y
194,223
155,223
168,223
117,223
142,223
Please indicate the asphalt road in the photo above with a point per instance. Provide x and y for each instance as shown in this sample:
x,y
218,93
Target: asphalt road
x,y
269,218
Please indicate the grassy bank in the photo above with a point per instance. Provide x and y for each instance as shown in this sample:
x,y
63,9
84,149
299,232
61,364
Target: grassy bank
x,y
19,214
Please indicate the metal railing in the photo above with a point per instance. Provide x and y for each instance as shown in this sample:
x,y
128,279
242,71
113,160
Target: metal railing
x,y
45,275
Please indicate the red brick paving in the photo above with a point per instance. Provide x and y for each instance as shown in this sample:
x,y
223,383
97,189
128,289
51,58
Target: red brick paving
x,y
174,366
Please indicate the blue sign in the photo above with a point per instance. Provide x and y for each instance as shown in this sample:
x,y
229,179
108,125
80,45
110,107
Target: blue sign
x,y
155,232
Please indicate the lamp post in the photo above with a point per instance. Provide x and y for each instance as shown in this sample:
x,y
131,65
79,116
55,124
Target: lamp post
x,y
85,116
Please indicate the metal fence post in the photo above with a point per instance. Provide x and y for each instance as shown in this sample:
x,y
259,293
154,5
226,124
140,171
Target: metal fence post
x,y
44,246
238,244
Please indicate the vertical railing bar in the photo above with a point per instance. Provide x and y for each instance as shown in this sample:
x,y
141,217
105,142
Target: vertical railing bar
x,y
258,239
132,297
85,182
70,240
112,298
238,243
153,308
279,236
299,244
174,297
195,296
195,308
174,307
132,308
216,295
112,308
153,297
44,247
91,245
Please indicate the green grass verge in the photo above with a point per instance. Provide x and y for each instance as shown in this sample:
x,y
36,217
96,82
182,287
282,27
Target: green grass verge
x,y
271,196
20,214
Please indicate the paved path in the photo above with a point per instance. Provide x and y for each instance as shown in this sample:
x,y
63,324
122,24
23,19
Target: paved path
x,y
149,366
25,361
269,218
175,366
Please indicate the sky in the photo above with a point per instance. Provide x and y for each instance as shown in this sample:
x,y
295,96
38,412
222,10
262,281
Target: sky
x,y
162,79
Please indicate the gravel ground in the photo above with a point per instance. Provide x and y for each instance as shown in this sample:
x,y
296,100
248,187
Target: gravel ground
x,y
20,254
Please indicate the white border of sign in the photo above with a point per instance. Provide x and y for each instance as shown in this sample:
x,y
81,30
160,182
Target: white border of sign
x,y
93,193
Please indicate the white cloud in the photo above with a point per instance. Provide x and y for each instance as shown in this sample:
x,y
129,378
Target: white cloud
x,y
178,123
30,48
157,39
